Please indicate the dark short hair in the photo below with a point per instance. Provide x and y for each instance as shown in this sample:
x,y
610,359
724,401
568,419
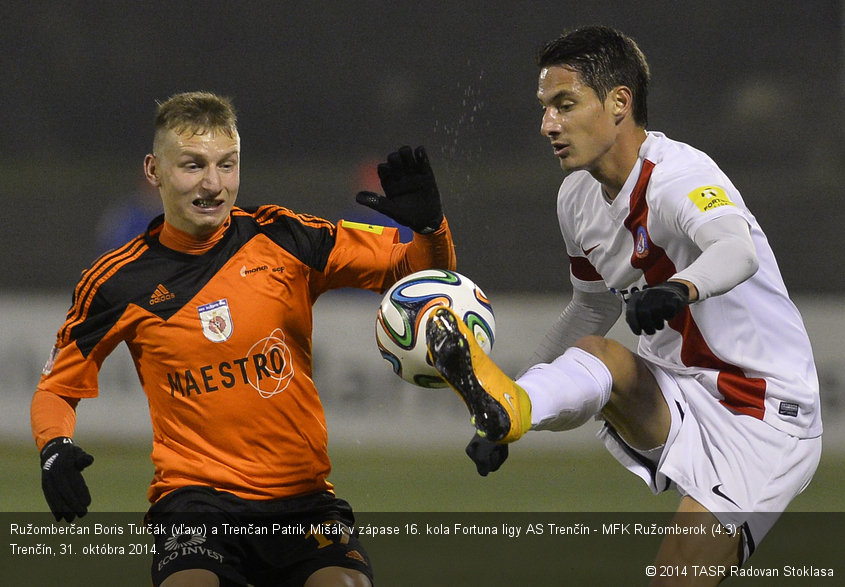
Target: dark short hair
x,y
604,58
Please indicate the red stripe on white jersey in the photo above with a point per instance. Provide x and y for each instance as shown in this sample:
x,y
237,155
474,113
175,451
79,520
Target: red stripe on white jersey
x,y
742,394
583,269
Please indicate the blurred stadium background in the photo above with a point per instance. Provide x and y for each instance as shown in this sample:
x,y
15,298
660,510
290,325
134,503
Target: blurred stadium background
x,y
324,91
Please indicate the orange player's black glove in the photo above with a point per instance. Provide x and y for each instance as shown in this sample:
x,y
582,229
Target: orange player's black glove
x,y
411,197
649,308
64,488
488,456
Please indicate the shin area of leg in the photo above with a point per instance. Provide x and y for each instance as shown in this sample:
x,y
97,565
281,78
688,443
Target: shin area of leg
x,y
567,392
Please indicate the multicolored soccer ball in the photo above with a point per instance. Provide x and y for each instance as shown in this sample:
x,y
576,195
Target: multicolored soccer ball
x,y
404,311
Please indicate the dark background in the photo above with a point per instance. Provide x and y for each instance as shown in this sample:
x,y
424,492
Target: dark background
x,y
326,89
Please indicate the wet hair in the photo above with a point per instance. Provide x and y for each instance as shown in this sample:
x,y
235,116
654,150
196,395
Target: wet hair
x,y
605,59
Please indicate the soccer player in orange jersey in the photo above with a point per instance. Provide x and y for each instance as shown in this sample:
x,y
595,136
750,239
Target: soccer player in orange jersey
x,y
215,305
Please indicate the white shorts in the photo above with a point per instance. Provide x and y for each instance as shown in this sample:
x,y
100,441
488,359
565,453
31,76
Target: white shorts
x,y
742,470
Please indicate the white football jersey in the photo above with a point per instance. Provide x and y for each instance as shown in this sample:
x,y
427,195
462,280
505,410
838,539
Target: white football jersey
x,y
747,347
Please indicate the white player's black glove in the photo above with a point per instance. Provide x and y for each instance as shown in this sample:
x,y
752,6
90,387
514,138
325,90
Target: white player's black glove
x,y
650,308
488,456
62,463
411,197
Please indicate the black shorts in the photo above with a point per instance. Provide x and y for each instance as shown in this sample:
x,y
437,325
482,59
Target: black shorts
x,y
273,542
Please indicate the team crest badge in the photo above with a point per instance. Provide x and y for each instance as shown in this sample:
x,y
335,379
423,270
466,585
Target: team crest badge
x,y
641,243
216,320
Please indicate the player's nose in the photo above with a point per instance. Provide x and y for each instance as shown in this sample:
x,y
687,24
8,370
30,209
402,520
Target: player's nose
x,y
211,179
549,126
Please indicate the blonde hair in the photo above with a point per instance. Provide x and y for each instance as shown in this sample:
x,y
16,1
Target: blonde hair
x,y
195,113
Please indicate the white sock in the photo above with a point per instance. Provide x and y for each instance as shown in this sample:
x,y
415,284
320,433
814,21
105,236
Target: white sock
x,y
568,391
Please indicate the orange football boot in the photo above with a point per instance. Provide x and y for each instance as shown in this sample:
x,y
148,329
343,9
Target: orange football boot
x,y
500,409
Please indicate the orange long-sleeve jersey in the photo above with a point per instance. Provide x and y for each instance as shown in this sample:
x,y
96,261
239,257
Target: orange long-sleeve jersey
x,y
222,344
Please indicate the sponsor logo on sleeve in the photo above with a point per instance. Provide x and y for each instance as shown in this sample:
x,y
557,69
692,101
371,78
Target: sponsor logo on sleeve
x,y
365,227
709,197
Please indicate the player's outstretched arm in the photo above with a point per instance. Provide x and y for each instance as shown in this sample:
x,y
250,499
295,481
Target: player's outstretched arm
x,y
586,314
411,197
53,418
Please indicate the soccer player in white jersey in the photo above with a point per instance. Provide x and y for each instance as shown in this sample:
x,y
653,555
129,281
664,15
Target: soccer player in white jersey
x,y
720,399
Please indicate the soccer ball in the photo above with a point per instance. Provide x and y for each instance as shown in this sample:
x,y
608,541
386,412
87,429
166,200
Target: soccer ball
x,y
404,311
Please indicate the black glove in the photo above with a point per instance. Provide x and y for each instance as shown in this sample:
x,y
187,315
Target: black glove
x,y
650,307
61,478
410,191
488,456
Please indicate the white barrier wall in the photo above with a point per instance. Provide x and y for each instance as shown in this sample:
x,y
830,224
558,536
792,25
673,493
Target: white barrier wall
x,y
365,402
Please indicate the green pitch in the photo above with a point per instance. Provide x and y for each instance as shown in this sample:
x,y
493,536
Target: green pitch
x,y
427,492
414,480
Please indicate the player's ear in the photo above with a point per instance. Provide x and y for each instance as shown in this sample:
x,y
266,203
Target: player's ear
x,y
622,102
151,171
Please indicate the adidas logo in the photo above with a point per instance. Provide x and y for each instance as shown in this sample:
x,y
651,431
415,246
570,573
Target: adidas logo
x,y
161,295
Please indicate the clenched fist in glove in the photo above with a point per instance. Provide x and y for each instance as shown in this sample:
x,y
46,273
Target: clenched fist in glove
x,y
488,456
410,195
649,308
62,463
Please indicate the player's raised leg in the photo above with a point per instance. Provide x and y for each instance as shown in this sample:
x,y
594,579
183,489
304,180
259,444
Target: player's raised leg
x,y
500,409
